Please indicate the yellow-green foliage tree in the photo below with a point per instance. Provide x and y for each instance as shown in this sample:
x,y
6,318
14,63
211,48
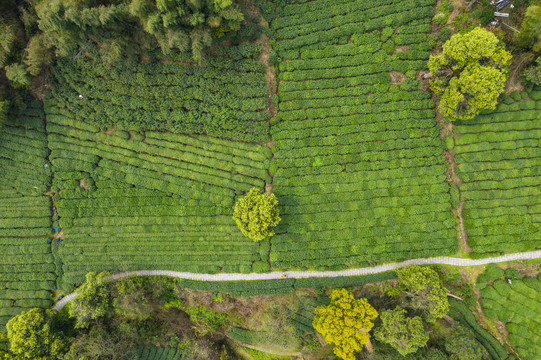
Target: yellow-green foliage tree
x,y
256,214
469,74
345,322
33,334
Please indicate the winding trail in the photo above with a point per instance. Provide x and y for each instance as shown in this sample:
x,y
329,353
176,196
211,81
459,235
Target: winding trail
x,y
441,260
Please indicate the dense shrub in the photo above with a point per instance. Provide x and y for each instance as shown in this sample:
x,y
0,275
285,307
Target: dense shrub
x,y
256,214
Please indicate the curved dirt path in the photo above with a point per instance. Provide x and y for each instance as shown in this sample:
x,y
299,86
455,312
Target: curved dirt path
x,y
440,260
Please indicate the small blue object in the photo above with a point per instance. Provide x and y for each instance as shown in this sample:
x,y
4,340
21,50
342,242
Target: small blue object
x,y
55,228
60,241
60,297
48,242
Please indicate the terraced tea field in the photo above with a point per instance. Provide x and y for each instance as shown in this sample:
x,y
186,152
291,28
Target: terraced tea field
x,y
517,305
358,170
27,266
226,97
353,154
499,161
129,201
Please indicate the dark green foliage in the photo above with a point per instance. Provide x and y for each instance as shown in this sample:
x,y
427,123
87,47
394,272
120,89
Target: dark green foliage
x,y
512,274
491,273
532,74
444,34
225,98
462,345
460,312
134,25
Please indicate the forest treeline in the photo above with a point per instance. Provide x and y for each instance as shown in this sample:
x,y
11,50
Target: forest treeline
x,y
35,32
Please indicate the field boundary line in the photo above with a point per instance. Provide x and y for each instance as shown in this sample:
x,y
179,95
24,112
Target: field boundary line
x,y
276,275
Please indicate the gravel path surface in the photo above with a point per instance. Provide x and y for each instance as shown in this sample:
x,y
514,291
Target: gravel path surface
x,y
441,260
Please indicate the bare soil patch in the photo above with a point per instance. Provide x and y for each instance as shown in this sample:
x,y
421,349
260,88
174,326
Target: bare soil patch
x,y
397,77
269,72
403,48
83,184
462,236
269,188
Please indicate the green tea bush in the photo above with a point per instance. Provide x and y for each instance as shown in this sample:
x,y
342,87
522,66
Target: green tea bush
x,y
162,203
225,98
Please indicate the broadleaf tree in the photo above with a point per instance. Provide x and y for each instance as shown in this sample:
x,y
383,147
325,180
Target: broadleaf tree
x,y
32,334
345,323
424,291
93,300
256,214
469,74
529,36
405,334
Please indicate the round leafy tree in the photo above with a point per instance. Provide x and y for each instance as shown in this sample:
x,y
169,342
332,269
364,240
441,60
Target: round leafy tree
x,y
34,334
256,214
406,335
469,74
423,291
345,322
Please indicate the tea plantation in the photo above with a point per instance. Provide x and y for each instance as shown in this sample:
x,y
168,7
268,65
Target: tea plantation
x,y
499,161
139,165
358,168
27,266
227,97
517,305
150,200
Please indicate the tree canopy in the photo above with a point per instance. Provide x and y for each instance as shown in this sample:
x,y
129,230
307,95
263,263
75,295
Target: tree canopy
x,y
93,300
530,31
117,26
345,322
424,291
469,74
256,214
406,335
33,334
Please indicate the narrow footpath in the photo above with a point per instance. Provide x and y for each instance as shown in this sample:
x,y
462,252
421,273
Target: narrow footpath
x,y
440,260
